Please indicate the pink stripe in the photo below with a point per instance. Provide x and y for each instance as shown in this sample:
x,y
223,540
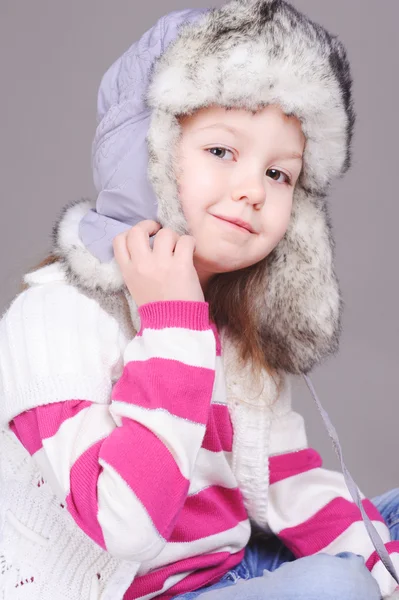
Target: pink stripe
x,y
52,416
26,428
145,464
175,313
82,499
183,390
211,511
42,422
293,463
325,526
373,559
209,568
219,430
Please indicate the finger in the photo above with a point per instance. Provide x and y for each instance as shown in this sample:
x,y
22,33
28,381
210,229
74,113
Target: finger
x,y
139,235
148,226
165,242
185,248
121,252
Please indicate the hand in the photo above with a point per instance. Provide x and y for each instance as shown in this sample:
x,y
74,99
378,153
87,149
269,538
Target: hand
x,y
165,272
394,595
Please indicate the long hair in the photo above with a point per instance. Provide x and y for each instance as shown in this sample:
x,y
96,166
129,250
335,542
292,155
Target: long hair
x,y
230,297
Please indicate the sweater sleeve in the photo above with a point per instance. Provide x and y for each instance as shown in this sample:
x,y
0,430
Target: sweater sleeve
x,y
123,467
310,508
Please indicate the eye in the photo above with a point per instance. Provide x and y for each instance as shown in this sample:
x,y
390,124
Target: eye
x,y
276,174
223,150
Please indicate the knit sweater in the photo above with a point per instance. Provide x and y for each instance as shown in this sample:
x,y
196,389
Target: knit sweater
x,y
130,470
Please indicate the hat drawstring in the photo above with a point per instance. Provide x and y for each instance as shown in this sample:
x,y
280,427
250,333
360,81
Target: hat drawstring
x,y
352,487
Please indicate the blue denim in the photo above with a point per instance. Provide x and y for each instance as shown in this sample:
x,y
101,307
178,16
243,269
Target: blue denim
x,y
269,571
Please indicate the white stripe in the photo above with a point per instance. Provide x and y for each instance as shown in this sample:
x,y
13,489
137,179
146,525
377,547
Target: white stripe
x,y
232,540
287,434
219,395
212,468
384,578
356,539
182,437
128,530
76,435
47,471
295,499
195,348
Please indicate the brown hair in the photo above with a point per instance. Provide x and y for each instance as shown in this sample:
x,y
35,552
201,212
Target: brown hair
x,y
231,306
230,297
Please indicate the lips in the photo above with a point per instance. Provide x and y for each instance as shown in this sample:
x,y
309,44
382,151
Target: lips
x,y
238,222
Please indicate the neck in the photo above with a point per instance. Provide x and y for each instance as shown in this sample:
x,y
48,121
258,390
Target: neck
x,y
203,276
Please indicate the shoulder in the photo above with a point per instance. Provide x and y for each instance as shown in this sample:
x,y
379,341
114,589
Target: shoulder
x,y
50,273
51,298
54,322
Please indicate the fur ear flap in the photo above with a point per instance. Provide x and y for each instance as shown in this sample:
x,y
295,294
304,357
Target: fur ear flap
x,y
300,318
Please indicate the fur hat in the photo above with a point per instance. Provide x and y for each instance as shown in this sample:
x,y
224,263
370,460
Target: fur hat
x,y
245,54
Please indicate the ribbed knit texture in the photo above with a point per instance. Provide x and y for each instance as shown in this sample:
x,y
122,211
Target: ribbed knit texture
x,y
182,313
132,465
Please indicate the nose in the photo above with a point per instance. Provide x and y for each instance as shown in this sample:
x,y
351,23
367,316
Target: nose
x,y
251,191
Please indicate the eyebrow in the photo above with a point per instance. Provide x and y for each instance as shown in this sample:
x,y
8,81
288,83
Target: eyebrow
x,y
234,131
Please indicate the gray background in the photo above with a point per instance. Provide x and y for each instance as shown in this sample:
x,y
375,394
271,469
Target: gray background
x,y
53,54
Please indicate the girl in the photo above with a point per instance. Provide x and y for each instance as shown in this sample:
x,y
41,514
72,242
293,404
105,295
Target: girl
x,y
148,445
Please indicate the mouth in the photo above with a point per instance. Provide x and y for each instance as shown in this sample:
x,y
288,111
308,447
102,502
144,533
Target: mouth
x,y
238,224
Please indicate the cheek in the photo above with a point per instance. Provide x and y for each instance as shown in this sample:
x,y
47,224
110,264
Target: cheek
x,y
190,202
198,190
277,216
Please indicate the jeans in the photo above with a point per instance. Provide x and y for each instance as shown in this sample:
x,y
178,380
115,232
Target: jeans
x,y
269,571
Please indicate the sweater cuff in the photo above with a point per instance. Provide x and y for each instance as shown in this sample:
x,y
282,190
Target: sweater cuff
x,y
175,313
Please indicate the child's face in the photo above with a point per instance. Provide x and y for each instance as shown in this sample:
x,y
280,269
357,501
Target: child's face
x,y
248,174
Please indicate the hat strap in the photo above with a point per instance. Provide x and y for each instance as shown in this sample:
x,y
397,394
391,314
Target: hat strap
x,y
352,487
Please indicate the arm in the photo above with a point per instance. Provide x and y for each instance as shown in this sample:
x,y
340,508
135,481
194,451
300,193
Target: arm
x,y
112,462
311,509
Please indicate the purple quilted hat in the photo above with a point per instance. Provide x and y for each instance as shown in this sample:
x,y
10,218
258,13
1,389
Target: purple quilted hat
x,y
119,153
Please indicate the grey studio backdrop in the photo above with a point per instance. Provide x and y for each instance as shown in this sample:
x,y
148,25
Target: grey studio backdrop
x,y
53,54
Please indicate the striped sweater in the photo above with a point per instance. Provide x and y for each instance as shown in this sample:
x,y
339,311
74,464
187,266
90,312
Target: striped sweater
x,y
149,470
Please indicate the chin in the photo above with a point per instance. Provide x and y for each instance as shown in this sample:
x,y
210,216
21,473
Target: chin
x,y
225,258
222,265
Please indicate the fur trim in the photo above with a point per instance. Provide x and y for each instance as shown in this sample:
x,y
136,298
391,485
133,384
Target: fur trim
x,y
249,54
82,268
300,313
